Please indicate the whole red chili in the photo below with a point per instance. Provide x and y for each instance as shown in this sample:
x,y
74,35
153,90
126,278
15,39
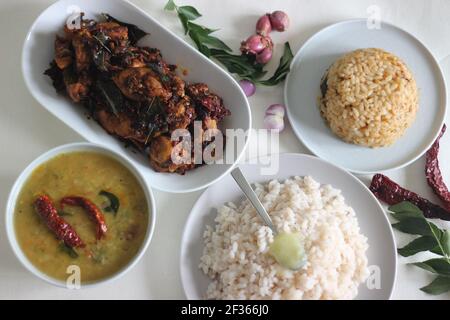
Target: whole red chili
x,y
63,231
390,192
433,172
91,209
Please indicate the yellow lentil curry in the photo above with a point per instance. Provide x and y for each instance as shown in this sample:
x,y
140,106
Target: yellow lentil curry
x,y
89,175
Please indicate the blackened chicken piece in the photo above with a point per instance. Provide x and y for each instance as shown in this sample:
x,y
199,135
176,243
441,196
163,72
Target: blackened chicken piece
x,y
208,103
180,113
63,53
77,86
82,52
121,125
142,56
141,84
77,91
114,32
81,39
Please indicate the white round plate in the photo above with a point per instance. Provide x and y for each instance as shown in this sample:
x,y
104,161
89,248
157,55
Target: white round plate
x,y
382,255
319,53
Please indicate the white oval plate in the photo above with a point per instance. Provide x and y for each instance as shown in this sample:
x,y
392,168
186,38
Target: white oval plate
x,y
317,55
38,52
382,254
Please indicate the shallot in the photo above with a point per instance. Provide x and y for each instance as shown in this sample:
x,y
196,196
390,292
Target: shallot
x,y
276,110
263,26
248,87
254,44
274,117
279,20
264,56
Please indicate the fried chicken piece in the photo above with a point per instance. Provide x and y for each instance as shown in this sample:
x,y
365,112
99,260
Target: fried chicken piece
x,y
121,126
141,84
180,114
209,123
161,151
77,91
209,103
83,30
63,53
179,86
82,52
114,32
80,38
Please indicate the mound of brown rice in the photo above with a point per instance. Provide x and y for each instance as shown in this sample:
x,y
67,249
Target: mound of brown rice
x,y
369,97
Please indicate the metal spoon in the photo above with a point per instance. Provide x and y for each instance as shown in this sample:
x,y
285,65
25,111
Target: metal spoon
x,y
286,248
242,182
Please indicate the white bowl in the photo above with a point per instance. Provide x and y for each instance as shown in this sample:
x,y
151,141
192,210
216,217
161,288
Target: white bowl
x,y
38,52
372,220
72,147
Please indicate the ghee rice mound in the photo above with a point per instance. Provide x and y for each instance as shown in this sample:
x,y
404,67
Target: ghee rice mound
x,y
236,256
369,97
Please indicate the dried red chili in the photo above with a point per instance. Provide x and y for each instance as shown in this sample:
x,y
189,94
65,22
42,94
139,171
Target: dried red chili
x,y
390,192
91,209
63,231
433,172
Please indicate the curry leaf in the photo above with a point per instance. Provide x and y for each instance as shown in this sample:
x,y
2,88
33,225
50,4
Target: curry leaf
x,y
445,242
170,6
189,12
421,244
99,59
114,202
283,68
406,209
241,65
201,29
439,266
184,23
433,239
69,250
200,46
412,221
405,206
102,40
324,86
112,94
203,34
414,226
439,285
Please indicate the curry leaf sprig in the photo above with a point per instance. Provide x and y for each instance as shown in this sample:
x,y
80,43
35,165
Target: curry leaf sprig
x,y
431,238
244,66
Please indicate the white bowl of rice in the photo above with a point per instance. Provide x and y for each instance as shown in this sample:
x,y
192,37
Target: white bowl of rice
x,y
347,238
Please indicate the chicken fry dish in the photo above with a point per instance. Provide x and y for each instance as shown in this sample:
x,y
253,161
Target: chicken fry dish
x,y
130,90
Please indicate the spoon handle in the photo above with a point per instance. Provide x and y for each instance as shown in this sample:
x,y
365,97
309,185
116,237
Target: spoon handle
x,y
238,176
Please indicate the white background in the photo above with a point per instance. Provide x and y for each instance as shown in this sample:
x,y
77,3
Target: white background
x,y
27,130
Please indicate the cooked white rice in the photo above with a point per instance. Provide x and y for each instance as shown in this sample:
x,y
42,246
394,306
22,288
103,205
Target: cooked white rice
x,y
236,254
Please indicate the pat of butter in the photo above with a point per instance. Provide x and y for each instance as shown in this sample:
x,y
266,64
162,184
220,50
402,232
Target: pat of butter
x,y
288,250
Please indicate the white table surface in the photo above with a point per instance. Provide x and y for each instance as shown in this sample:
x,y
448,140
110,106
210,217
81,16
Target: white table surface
x,y
27,130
